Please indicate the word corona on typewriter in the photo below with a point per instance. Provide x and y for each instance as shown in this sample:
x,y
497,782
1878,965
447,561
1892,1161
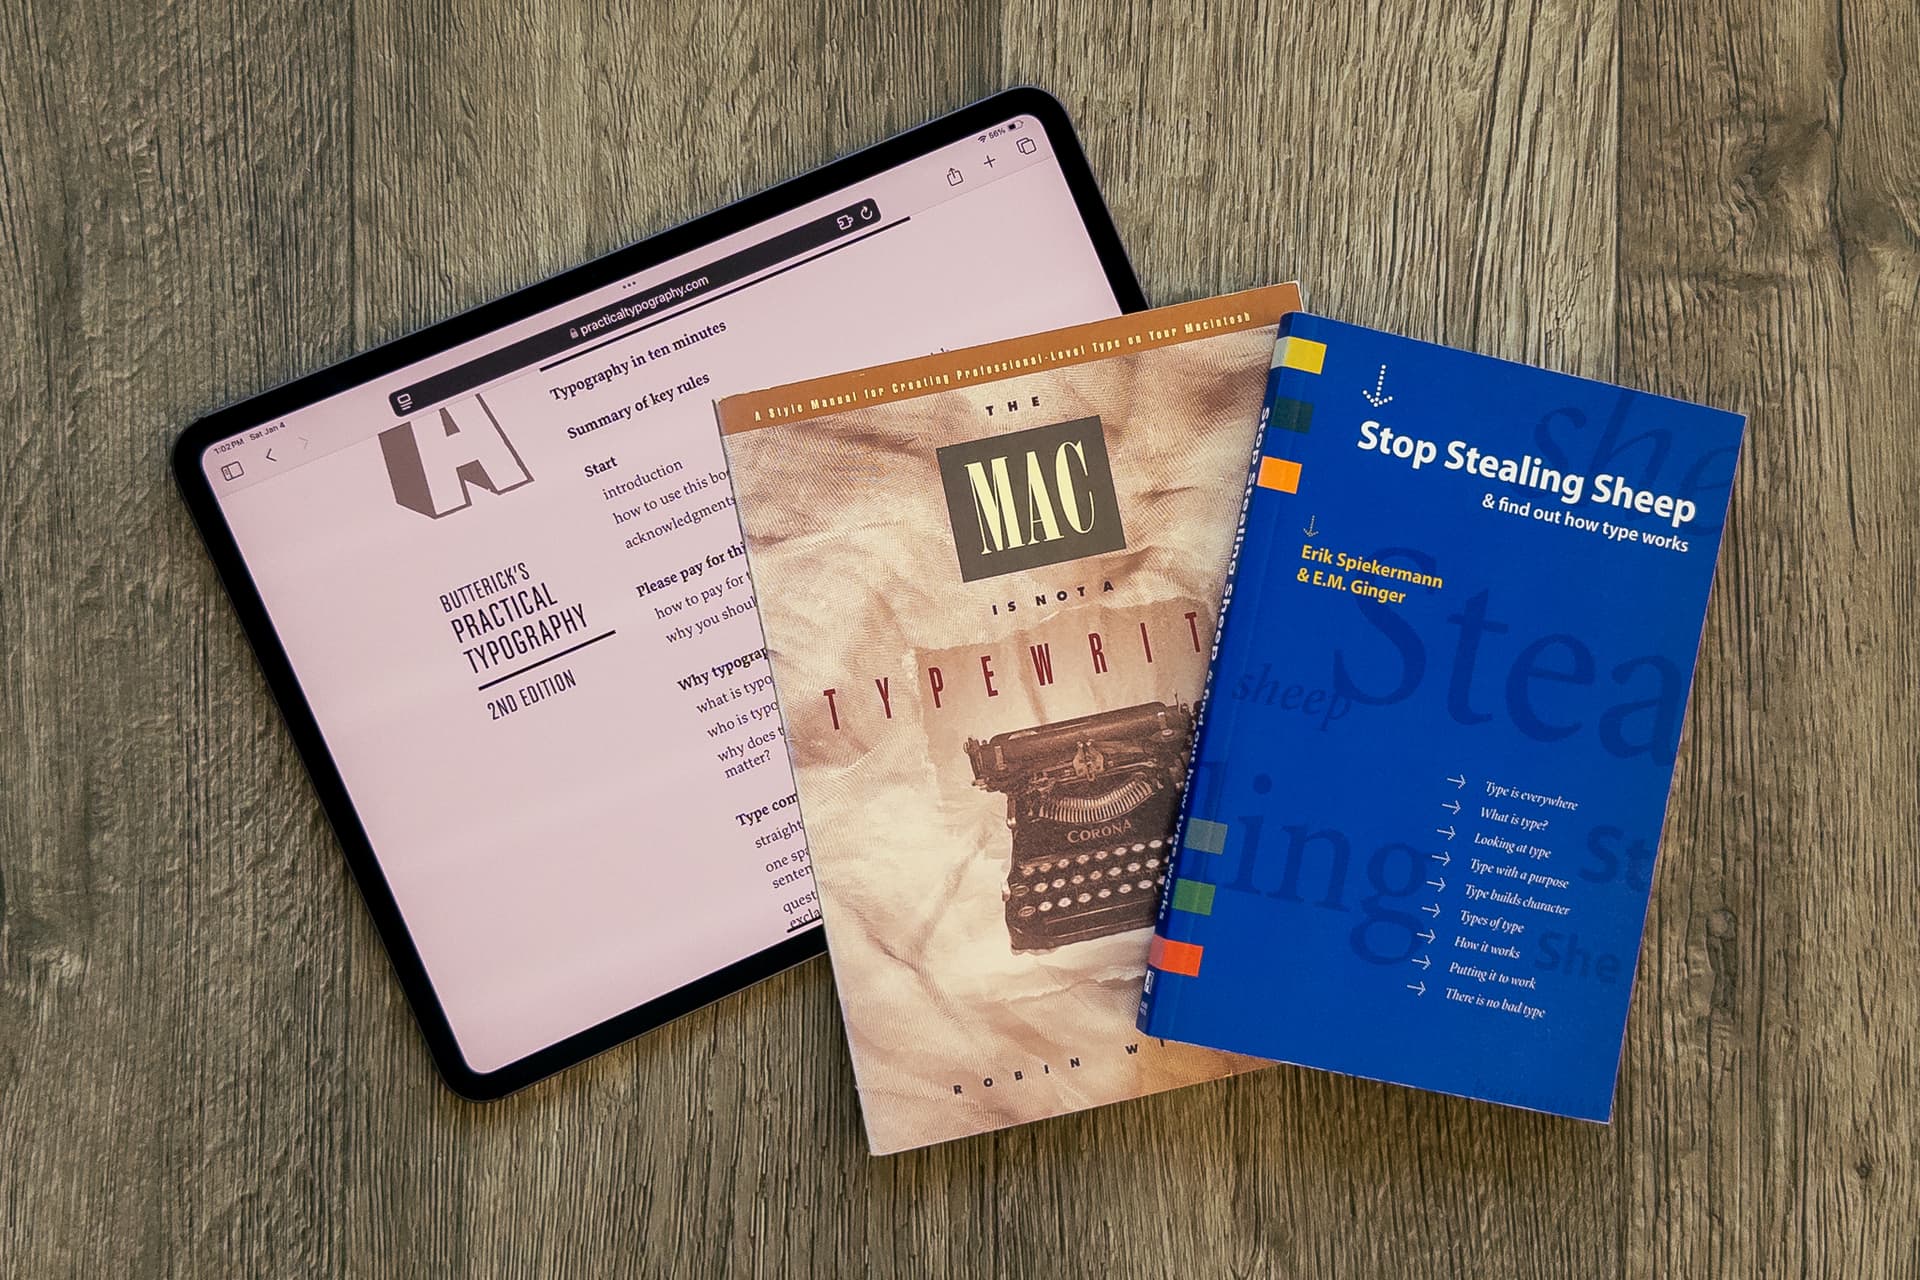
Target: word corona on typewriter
x,y
1091,803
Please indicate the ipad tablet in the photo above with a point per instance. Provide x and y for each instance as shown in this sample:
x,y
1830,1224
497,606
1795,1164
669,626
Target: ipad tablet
x,y
495,579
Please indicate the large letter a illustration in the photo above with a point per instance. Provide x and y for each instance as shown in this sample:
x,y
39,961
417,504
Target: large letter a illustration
x,y
432,463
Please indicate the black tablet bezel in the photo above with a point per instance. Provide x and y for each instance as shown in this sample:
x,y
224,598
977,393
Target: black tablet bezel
x,y
478,322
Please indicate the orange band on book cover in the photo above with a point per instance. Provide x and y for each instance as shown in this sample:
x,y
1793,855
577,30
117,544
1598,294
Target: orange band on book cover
x,y
1174,957
996,361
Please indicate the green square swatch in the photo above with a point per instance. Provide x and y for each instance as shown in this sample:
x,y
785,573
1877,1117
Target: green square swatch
x,y
1193,895
1293,415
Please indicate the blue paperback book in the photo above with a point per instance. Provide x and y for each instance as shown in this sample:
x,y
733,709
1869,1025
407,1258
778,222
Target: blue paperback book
x,y
1447,691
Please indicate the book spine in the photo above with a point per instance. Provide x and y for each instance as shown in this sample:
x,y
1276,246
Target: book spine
x,y
1151,990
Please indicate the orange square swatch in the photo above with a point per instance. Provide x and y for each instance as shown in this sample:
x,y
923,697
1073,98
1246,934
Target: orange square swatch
x,y
1278,473
1174,957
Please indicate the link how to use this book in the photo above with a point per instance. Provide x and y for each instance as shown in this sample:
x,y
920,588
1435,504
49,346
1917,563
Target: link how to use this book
x,y
989,580
1432,770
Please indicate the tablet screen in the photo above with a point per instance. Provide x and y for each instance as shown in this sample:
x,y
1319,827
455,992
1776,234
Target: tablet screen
x,y
510,584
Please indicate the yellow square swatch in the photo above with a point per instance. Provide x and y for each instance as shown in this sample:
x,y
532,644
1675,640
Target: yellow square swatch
x,y
1303,354
1278,473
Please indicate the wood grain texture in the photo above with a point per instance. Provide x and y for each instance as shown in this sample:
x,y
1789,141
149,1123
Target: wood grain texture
x,y
206,1067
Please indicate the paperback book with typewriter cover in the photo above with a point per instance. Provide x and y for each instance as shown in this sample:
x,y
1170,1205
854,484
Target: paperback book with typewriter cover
x,y
1433,766
988,580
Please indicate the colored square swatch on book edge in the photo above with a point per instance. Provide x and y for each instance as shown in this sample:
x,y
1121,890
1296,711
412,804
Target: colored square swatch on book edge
x,y
1290,414
1303,354
1193,896
1280,474
1206,837
1169,956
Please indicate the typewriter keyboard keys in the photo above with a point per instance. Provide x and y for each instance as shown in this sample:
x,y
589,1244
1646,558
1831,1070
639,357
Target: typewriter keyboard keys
x,y
1059,893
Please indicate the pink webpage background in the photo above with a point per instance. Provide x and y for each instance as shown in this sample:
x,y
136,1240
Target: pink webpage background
x,y
580,857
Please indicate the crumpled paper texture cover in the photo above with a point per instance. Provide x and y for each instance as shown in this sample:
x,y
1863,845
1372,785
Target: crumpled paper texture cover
x,y
857,581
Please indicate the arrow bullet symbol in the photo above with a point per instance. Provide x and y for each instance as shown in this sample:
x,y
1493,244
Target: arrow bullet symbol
x,y
1453,805
1374,397
1418,988
1422,961
1444,858
1425,933
1313,526
1440,884
1458,782
1446,831
1432,910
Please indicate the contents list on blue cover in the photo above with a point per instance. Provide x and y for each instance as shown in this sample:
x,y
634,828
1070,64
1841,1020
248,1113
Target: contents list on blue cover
x,y
1447,703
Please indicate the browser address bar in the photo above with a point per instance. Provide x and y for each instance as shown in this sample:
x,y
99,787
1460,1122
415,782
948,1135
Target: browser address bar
x,y
585,332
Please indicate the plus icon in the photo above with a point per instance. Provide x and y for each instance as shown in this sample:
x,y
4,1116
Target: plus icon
x,y
989,162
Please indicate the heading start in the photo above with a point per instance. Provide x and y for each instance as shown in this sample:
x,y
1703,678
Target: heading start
x,y
1528,471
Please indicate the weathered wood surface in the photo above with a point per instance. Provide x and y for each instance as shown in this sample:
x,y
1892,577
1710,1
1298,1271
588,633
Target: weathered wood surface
x,y
205,1065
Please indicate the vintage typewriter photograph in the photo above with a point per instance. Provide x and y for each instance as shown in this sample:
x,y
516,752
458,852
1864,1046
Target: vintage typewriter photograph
x,y
1091,804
